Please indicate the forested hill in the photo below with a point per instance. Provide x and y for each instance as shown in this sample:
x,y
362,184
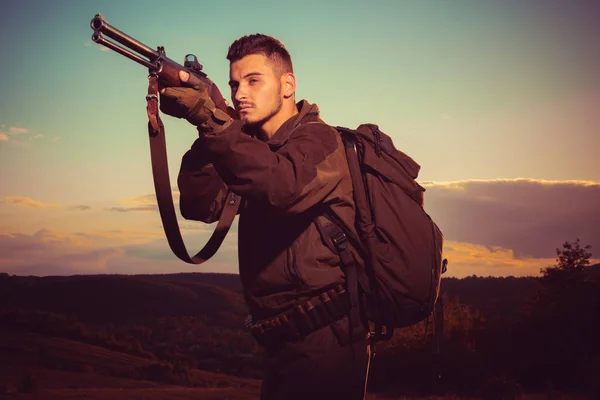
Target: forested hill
x,y
522,332
217,297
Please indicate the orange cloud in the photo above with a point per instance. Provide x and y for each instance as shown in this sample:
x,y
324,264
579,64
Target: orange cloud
x,y
148,199
143,203
17,131
466,259
461,185
26,201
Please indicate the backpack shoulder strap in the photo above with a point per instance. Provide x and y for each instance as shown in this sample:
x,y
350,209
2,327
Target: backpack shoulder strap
x,y
337,241
164,197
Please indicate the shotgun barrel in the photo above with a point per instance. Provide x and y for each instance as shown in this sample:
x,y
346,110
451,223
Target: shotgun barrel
x,y
156,61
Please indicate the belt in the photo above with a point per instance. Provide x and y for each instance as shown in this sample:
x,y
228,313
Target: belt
x,y
305,318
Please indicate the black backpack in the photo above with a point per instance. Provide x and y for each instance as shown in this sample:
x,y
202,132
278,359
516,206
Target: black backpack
x,y
399,284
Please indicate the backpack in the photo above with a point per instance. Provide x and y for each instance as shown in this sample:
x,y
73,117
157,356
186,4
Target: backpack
x,y
399,284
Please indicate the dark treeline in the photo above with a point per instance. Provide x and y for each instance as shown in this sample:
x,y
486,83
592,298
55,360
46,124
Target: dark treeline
x,y
501,335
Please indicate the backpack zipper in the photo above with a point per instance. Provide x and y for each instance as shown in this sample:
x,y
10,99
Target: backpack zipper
x,y
433,289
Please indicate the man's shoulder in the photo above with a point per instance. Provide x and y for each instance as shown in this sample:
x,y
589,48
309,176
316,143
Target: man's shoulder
x,y
314,126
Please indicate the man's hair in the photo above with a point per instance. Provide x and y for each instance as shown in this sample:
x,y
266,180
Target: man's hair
x,y
258,43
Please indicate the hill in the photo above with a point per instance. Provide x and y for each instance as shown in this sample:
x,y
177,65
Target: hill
x,y
186,331
121,298
31,362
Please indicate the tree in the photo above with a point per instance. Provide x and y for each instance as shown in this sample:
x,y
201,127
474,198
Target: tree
x,y
570,259
562,331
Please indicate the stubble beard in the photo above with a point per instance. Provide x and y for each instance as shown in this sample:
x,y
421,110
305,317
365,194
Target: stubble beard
x,y
256,125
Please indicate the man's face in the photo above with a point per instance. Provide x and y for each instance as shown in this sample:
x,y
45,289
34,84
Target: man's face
x,y
256,90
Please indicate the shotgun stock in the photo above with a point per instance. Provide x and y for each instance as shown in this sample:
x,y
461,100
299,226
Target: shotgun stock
x,y
156,61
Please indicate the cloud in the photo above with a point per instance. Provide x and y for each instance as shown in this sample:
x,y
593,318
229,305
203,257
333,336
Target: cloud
x,y
90,43
491,228
39,242
159,249
118,236
143,203
26,201
123,252
529,217
13,130
466,259
80,208
49,253
140,200
148,199
138,252
195,226
131,209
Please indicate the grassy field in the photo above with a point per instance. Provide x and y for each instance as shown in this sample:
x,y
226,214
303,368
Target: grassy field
x,y
179,393
23,377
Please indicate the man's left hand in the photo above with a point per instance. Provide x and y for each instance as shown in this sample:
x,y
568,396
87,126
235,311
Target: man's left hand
x,y
189,101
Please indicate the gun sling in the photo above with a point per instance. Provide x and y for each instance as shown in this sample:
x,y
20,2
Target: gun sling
x,y
162,187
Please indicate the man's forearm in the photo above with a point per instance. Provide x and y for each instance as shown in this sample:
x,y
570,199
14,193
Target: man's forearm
x,y
202,191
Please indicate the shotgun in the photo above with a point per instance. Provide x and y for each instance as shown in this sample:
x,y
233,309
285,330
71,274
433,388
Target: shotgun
x,y
166,71
156,61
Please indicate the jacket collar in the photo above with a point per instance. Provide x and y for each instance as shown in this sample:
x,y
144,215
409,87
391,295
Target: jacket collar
x,y
306,112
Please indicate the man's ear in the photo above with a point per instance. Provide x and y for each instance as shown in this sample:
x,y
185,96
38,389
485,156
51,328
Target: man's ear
x,y
289,84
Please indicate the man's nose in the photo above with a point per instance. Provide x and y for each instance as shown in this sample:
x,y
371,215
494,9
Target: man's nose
x,y
240,93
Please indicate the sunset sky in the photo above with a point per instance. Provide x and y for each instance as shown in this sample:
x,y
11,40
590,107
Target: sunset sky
x,y
498,103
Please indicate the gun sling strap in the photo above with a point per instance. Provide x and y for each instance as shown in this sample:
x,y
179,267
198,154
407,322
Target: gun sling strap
x,y
162,187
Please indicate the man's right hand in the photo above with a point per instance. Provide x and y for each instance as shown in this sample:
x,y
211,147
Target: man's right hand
x,y
190,101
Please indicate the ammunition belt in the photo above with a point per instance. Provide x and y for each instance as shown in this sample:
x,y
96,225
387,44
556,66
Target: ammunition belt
x,y
305,318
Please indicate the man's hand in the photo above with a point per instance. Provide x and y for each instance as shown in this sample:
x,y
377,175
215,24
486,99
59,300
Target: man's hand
x,y
190,101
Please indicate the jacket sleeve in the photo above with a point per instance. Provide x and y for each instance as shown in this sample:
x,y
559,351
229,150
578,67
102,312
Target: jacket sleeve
x,y
202,193
301,173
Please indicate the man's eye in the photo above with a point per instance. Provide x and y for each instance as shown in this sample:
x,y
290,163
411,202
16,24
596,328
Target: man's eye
x,y
252,81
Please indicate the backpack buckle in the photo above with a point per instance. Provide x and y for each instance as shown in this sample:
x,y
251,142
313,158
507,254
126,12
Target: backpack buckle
x,y
339,240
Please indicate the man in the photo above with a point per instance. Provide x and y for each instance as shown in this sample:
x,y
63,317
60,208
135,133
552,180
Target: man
x,y
290,169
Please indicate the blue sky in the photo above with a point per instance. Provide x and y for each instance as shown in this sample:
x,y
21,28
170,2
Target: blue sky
x,y
481,94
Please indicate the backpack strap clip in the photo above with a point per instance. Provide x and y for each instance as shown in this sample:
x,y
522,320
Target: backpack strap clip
x,y
339,239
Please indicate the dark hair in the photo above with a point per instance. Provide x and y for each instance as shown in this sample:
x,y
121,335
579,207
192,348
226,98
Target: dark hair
x,y
258,43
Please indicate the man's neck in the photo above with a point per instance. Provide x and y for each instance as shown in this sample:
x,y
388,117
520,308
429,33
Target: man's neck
x,y
268,129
